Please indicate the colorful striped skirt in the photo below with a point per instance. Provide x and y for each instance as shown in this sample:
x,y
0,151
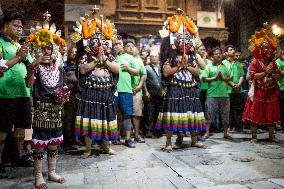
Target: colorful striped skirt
x,y
47,124
181,110
96,115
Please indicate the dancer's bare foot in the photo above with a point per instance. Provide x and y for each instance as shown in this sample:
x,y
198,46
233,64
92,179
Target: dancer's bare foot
x,y
85,155
254,141
168,149
274,139
41,186
198,145
111,152
56,178
228,137
40,183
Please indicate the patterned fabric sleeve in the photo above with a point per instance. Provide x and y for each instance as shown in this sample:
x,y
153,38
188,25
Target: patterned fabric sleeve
x,y
253,69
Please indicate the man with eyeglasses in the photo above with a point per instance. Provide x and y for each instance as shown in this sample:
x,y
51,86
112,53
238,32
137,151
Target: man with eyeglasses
x,y
15,108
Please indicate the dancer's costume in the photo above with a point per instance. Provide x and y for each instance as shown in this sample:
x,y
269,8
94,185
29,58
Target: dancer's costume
x,y
96,115
181,109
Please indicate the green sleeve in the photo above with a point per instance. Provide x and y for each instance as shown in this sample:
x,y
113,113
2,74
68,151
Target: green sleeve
x,y
205,73
227,72
132,62
242,70
143,70
278,64
1,50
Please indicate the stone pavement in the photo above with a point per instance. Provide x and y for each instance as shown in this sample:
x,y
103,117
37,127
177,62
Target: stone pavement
x,y
225,164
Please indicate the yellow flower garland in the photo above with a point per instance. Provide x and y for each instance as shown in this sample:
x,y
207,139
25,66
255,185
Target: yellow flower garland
x,y
44,36
260,36
107,33
89,31
188,24
171,24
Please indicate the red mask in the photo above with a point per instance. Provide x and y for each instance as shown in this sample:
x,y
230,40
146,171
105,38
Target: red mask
x,y
184,44
266,51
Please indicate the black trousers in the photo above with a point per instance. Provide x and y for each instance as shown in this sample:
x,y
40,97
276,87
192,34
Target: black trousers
x,y
236,110
281,105
203,94
151,111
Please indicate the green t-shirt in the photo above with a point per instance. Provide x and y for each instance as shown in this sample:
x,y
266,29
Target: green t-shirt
x,y
228,65
280,64
12,84
237,72
142,71
217,88
124,83
204,85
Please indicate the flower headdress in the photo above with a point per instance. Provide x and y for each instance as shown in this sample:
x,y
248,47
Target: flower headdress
x,y
175,23
180,28
40,35
91,25
264,35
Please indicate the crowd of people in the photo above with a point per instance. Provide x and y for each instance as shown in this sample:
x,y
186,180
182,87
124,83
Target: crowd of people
x,y
109,89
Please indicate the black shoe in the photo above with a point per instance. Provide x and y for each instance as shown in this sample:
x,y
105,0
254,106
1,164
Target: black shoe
x,y
139,140
130,144
3,173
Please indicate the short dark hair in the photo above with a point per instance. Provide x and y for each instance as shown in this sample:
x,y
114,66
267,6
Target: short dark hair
x,y
8,16
229,46
128,41
211,53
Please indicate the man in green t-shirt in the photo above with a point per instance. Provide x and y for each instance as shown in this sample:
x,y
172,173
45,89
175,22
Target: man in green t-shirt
x,y
15,108
125,88
137,84
203,85
280,64
234,65
218,77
